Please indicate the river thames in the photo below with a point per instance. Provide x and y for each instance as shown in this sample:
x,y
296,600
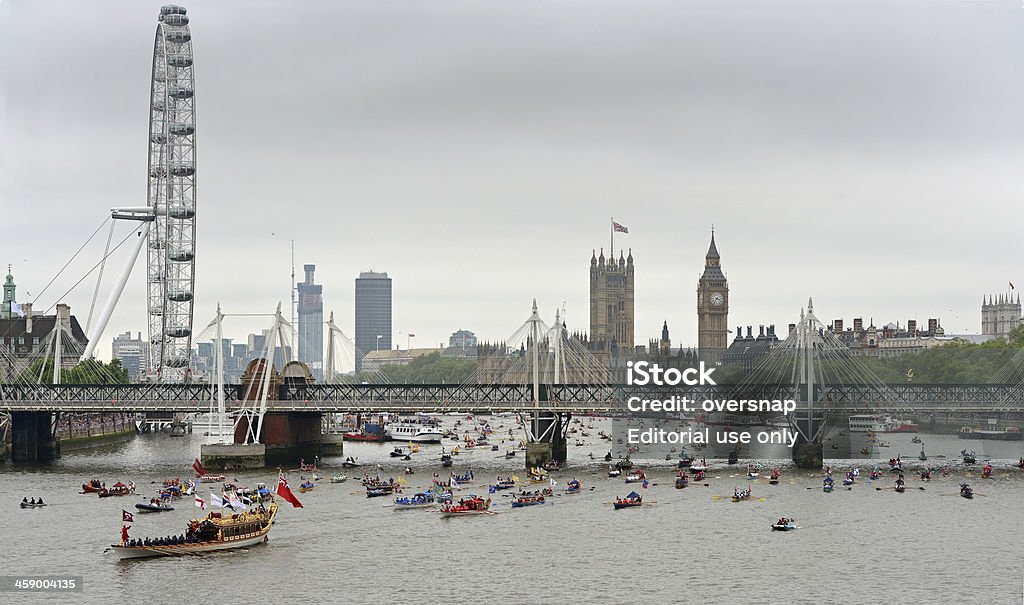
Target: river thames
x,y
858,545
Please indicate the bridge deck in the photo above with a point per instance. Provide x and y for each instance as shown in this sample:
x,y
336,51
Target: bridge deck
x,y
574,398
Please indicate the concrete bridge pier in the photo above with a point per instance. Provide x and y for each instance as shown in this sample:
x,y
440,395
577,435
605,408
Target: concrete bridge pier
x,y
287,438
808,453
548,438
33,437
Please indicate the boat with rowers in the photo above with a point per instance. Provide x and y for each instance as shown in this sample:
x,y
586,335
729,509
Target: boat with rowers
x,y
682,480
119,489
901,485
632,500
504,484
968,458
966,491
784,524
213,533
522,501
774,479
153,506
470,505
573,487
419,500
306,486
698,476
828,484
986,473
614,472
636,477
741,494
92,487
701,466
33,503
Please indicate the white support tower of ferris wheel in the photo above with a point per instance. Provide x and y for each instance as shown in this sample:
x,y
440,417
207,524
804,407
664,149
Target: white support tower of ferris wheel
x,y
171,197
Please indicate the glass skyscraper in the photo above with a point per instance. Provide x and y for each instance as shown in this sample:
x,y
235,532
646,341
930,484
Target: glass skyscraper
x,y
373,314
311,323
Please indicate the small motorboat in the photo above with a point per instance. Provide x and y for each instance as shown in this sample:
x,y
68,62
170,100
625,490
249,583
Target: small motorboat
x,y
966,491
350,462
397,453
784,524
614,472
339,478
510,454
153,506
632,500
495,448
551,466
916,439
685,461
624,464
636,477
92,487
699,467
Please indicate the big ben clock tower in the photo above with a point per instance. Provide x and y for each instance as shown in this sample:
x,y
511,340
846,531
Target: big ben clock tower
x,y
712,308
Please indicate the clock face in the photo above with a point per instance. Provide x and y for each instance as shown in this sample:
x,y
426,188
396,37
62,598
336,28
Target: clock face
x,y
717,299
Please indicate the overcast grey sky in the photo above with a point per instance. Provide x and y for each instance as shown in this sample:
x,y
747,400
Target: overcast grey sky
x,y
864,153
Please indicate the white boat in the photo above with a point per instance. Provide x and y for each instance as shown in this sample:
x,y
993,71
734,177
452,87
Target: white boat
x,y
414,432
880,423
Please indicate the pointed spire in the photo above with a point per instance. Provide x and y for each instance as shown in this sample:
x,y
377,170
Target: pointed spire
x,y
593,257
629,258
712,249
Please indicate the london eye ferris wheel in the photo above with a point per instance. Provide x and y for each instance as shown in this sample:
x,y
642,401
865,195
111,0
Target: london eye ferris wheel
x,y
171,196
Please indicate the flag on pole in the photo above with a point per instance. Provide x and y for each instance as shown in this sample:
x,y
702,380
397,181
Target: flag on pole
x,y
236,504
619,228
16,308
1011,285
126,517
454,484
553,483
200,504
199,468
216,501
285,492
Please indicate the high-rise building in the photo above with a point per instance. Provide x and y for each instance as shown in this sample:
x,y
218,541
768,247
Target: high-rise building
x,y
611,303
133,353
712,308
373,314
311,323
1000,314
462,339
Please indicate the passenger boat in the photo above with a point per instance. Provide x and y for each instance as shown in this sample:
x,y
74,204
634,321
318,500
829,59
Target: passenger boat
x,y
420,500
784,524
573,487
306,486
630,501
214,532
119,489
466,478
210,478
153,506
966,491
1010,433
470,505
682,480
883,423
25,504
739,495
413,431
92,487
527,501
339,478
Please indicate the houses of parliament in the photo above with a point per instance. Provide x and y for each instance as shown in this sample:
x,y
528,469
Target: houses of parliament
x,y
612,316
